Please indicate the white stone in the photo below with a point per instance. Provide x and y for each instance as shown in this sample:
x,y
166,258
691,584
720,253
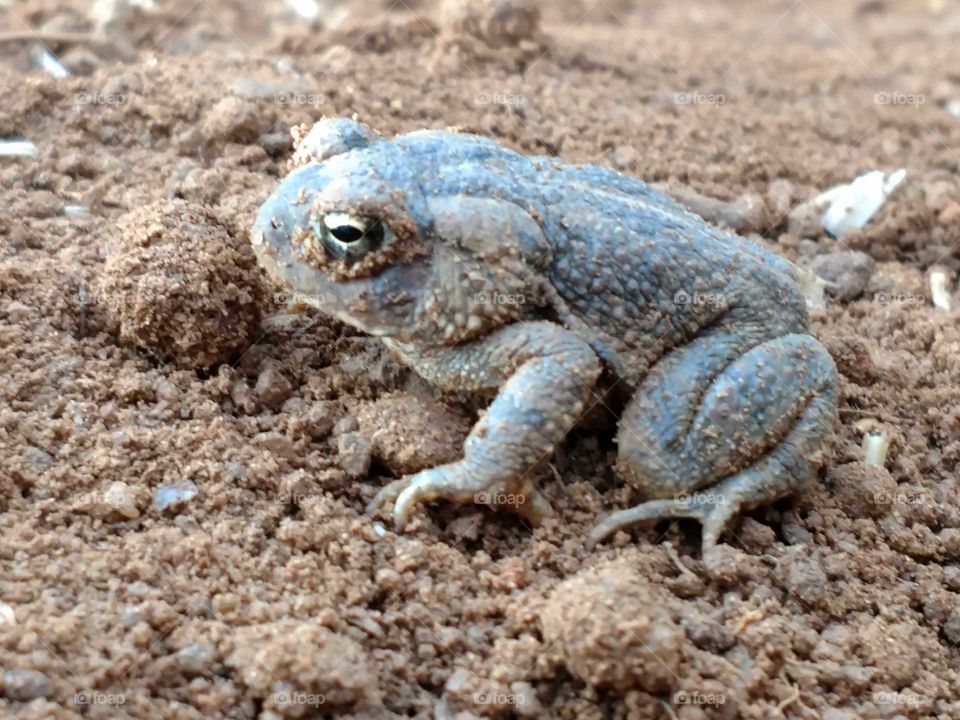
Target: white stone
x,y
853,205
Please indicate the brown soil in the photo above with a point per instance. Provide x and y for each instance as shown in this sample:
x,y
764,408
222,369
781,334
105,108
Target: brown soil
x,y
184,543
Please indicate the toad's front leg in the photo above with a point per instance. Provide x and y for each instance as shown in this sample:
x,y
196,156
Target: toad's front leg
x,y
544,373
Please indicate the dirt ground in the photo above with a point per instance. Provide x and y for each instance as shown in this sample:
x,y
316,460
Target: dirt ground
x,y
184,465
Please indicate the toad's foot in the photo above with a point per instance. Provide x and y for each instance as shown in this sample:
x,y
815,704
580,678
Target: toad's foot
x,y
452,482
745,437
713,508
544,374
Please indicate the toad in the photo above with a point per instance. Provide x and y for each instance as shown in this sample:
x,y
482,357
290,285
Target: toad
x,y
546,285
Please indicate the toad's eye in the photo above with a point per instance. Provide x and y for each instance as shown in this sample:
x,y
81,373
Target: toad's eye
x,y
346,233
349,236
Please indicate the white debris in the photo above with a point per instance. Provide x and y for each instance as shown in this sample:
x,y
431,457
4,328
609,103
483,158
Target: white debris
x,y
7,615
812,286
176,494
336,17
17,148
104,11
73,210
49,63
875,446
852,206
307,9
939,292
953,107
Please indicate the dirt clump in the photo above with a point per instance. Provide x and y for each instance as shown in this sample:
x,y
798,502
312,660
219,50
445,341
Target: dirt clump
x,y
645,652
495,22
297,670
179,285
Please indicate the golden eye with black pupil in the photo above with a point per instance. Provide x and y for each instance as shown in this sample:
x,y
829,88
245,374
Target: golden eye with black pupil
x,y
351,237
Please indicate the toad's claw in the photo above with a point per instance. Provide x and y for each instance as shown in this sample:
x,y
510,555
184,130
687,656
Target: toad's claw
x,y
451,482
388,494
433,484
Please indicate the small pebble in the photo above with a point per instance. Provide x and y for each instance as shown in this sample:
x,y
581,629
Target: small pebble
x,y
320,417
348,423
130,616
278,444
272,388
727,565
411,554
780,195
18,311
950,539
951,578
119,499
276,144
847,273
624,158
389,579
354,452
951,628
711,636
804,220
806,579
38,459
26,685
197,658
232,119
525,700
169,495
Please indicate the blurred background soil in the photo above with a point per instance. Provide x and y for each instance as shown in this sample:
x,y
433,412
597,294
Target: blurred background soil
x,y
184,470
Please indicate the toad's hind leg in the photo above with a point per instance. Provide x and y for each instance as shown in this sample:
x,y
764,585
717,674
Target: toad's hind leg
x,y
708,439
